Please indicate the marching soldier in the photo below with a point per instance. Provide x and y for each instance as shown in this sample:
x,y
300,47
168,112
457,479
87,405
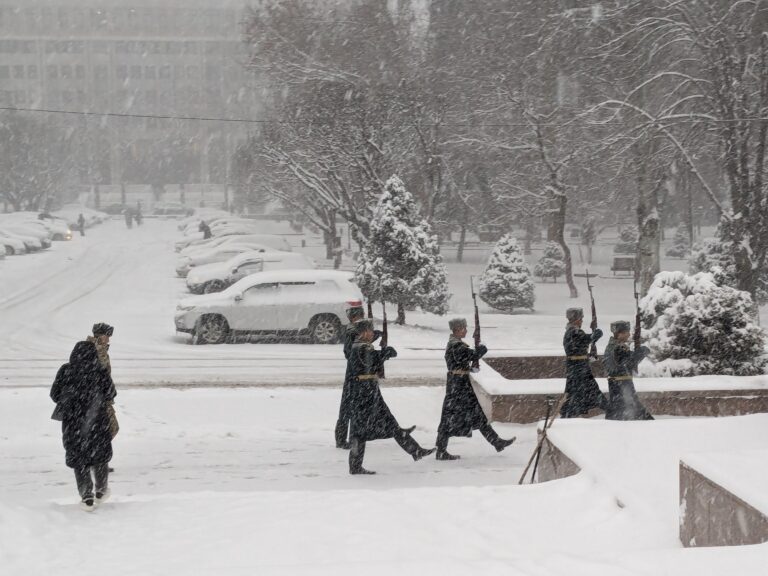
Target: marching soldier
x,y
461,410
620,361
582,392
370,418
355,315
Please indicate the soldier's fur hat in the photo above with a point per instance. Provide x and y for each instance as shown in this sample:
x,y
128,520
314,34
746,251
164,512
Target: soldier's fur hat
x,y
619,326
363,325
457,324
355,312
573,314
102,328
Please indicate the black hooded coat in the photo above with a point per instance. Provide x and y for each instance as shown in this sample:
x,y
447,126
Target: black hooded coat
x,y
83,390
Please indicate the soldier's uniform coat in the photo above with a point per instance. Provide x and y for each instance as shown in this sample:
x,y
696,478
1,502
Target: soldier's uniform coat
x,y
619,362
582,392
370,417
461,410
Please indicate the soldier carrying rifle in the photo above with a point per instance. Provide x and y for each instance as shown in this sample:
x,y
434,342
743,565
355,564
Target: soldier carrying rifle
x,y
582,392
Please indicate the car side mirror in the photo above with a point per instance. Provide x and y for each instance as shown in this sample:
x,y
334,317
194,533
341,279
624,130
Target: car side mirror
x,y
238,297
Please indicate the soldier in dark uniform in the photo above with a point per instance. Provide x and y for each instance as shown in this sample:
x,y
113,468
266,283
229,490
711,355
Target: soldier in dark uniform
x,y
582,392
461,410
370,415
356,315
619,362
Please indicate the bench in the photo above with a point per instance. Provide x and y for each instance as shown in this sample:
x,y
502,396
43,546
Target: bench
x,y
623,264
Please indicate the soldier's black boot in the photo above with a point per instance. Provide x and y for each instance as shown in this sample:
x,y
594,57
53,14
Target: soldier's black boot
x,y
412,447
442,448
493,438
356,455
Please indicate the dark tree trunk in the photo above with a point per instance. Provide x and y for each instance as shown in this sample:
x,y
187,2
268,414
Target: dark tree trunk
x,y
400,314
462,239
370,309
558,229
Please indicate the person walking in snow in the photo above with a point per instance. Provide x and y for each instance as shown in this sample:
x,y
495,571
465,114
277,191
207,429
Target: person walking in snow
x,y
81,224
619,362
205,229
581,390
356,314
101,334
461,410
83,391
370,417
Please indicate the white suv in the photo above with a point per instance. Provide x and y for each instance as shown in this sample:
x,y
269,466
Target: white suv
x,y
284,302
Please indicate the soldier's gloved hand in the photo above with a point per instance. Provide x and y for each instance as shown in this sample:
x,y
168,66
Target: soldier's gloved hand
x,y
390,352
482,350
596,335
376,335
643,351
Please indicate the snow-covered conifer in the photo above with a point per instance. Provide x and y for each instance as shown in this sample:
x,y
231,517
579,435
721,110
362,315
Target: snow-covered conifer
x,y
552,262
506,282
681,244
401,261
694,325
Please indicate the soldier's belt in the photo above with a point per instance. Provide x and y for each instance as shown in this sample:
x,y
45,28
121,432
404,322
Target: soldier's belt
x,y
619,378
459,372
366,377
577,357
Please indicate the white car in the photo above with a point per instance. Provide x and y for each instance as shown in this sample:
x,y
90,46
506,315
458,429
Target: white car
x,y
275,242
28,228
12,244
218,254
284,302
215,277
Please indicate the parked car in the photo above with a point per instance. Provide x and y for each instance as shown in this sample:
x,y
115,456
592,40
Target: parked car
x,y
218,254
59,227
274,242
248,229
216,277
12,244
309,303
31,228
31,243
171,209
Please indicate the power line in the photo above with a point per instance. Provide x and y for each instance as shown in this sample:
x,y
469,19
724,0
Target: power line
x,y
574,121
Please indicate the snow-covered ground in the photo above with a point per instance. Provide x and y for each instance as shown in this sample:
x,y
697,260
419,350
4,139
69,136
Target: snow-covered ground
x,y
247,481
126,277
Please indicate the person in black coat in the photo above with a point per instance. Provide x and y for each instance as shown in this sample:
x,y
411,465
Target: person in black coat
x,y
461,411
371,418
582,392
81,224
620,362
355,314
205,229
83,391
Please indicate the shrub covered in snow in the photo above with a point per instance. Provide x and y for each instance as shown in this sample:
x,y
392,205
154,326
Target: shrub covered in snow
x,y
401,260
506,282
695,325
681,244
627,243
552,262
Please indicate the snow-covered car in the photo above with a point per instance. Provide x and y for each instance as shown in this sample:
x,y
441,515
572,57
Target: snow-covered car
x,y
12,244
71,213
31,243
274,242
216,277
283,302
59,227
30,228
218,254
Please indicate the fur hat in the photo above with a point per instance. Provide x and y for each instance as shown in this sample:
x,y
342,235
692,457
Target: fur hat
x,y
457,324
620,326
573,314
102,328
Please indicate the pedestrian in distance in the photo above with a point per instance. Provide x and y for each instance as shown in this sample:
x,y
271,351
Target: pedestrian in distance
x,y
356,314
205,229
138,216
581,389
128,218
370,417
461,412
81,224
82,392
620,362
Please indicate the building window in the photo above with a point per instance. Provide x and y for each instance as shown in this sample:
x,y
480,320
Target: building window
x,y
66,97
81,98
79,72
192,72
52,72
122,72
100,72
151,98
135,72
18,71
66,71
4,72
32,72
149,72
20,97
165,72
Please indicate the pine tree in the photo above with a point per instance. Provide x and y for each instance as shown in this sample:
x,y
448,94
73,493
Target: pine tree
x,y
401,261
506,282
695,325
681,245
627,243
551,264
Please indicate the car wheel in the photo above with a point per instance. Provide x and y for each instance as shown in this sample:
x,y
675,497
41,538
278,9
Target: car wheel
x,y
212,329
325,329
213,286
10,251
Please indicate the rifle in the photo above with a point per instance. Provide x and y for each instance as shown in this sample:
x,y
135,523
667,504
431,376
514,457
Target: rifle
x,y
593,324
384,342
636,333
476,333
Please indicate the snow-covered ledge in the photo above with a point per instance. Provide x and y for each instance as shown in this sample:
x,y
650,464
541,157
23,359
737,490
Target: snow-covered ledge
x,y
505,398
723,500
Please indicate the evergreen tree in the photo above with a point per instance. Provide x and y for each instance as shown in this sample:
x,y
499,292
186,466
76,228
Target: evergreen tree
x,y
401,262
552,262
627,243
506,282
695,325
681,244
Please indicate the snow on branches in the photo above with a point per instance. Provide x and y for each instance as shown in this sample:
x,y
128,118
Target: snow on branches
x,y
552,262
506,282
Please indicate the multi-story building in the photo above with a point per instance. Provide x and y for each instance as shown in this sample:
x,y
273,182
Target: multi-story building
x,y
141,57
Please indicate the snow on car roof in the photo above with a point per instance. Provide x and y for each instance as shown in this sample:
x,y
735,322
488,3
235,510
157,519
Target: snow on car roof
x,y
289,276
265,255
